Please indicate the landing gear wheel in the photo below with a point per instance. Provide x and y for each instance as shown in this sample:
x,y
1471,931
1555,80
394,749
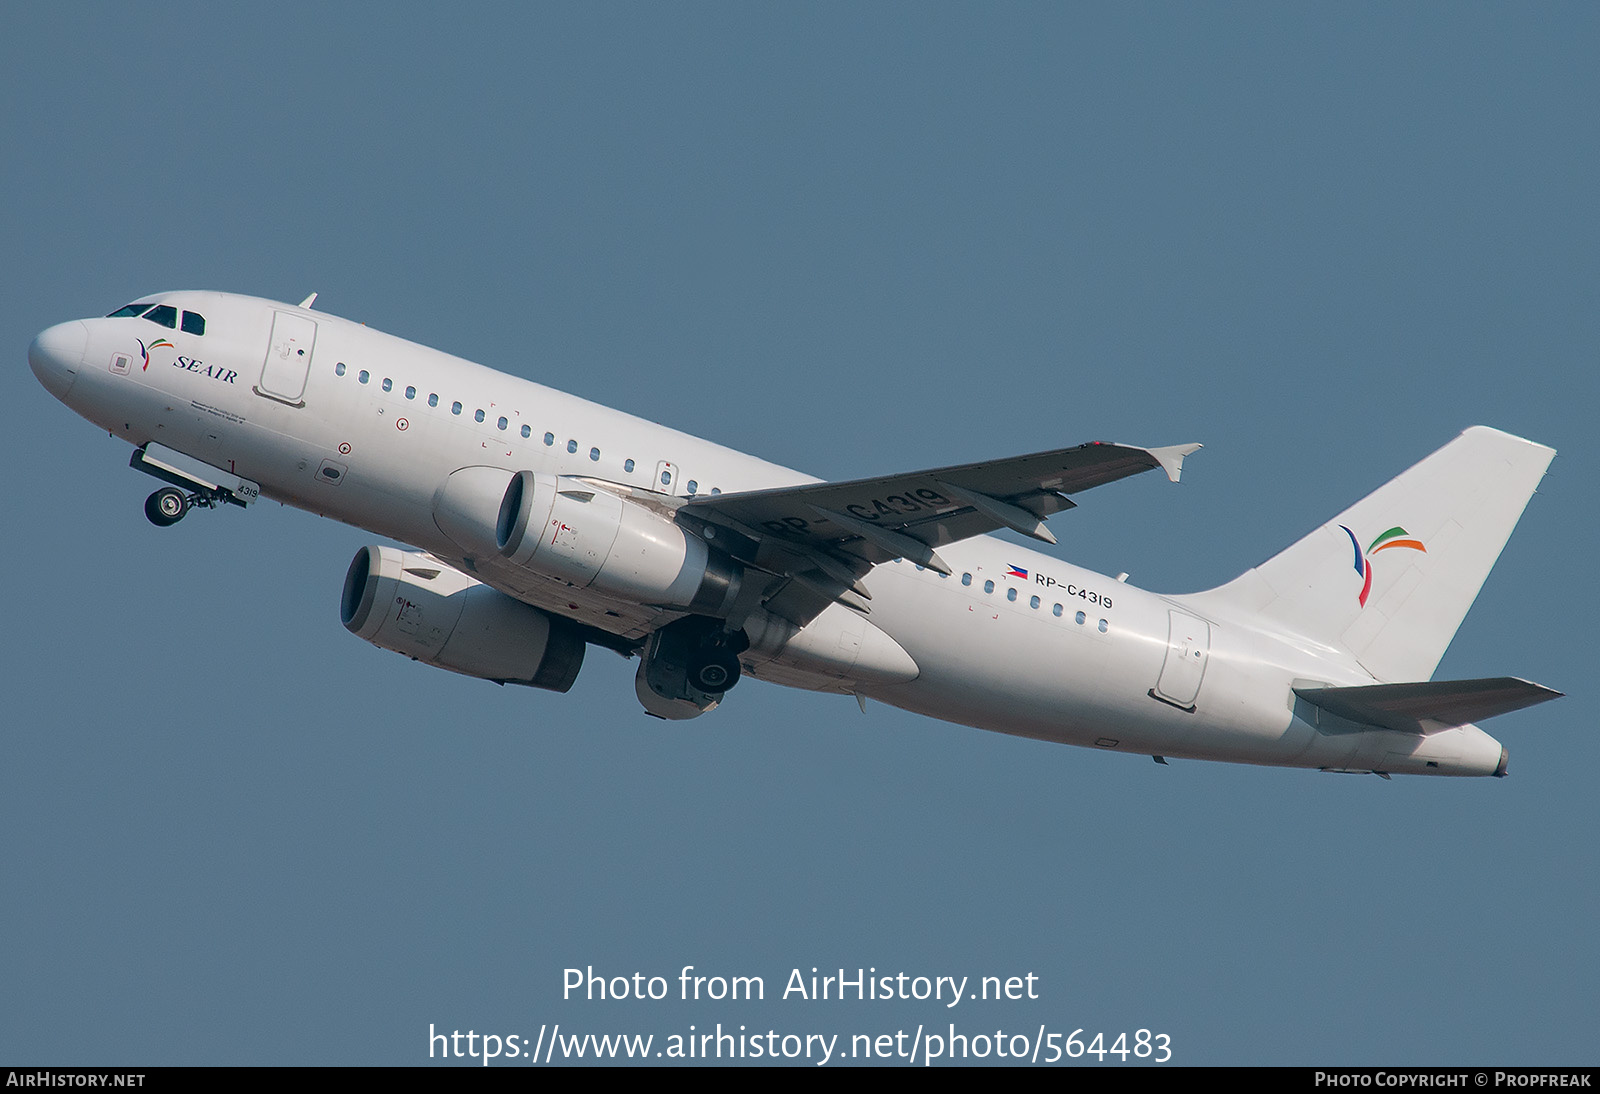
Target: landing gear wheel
x,y
166,507
714,670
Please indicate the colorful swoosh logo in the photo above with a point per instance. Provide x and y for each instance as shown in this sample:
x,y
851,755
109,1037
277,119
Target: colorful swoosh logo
x,y
1394,537
144,350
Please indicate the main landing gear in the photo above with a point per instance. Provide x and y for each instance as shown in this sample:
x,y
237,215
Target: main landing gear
x,y
713,666
688,666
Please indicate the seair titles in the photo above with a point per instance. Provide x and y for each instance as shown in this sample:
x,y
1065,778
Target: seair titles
x,y
219,373
200,368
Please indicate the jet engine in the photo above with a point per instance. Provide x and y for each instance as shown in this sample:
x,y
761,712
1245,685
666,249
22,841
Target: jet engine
x,y
590,538
595,539
414,604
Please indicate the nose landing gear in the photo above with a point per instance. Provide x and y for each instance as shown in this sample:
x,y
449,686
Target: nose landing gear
x,y
193,484
168,505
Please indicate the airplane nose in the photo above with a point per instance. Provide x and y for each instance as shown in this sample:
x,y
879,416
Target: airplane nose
x,y
56,354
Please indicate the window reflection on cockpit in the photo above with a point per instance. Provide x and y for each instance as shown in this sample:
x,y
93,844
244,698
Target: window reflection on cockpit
x,y
164,314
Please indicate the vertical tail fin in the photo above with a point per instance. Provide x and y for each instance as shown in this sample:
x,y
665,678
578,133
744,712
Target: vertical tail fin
x,y
1390,579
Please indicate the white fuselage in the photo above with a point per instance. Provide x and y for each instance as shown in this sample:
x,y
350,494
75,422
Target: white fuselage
x,y
392,420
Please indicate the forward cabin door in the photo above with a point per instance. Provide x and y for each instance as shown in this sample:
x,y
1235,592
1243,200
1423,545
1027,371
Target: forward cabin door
x,y
288,363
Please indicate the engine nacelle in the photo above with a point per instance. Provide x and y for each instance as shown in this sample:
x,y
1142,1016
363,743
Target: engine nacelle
x,y
594,539
414,604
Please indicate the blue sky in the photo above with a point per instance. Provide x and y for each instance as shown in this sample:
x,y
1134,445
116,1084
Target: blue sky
x,y
853,239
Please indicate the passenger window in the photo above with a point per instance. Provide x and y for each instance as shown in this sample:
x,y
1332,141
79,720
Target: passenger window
x,y
338,370
694,488
666,478
164,314
455,408
718,490
966,579
194,323
527,431
1011,595
411,392
549,439
1056,611
1103,626
594,454
627,465
433,399
1033,603
388,384
363,376
572,446
1079,619
988,586
502,423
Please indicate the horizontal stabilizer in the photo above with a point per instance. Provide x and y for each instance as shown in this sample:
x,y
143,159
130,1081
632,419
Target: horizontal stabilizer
x,y
1431,706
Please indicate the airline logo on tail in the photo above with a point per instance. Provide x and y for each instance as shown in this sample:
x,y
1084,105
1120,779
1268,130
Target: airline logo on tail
x,y
1394,537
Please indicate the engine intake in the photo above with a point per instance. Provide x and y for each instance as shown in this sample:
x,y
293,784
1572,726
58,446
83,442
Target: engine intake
x,y
414,604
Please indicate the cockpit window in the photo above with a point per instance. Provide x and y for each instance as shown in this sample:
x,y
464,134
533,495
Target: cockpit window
x,y
130,310
164,314
194,323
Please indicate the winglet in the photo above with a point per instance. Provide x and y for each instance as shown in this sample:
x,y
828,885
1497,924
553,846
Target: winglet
x,y
1171,458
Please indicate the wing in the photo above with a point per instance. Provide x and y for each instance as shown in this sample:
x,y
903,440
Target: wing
x,y
818,540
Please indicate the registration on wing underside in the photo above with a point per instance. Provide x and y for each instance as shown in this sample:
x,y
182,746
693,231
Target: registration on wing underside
x,y
889,517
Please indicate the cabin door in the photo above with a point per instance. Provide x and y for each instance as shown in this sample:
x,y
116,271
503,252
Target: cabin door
x,y
288,363
1188,648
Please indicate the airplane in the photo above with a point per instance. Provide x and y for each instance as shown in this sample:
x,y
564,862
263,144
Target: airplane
x,y
540,524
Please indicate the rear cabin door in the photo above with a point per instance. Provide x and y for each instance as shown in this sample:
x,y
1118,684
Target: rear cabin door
x,y
1188,647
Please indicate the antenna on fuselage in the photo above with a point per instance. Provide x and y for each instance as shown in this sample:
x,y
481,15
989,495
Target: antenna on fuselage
x,y
308,301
